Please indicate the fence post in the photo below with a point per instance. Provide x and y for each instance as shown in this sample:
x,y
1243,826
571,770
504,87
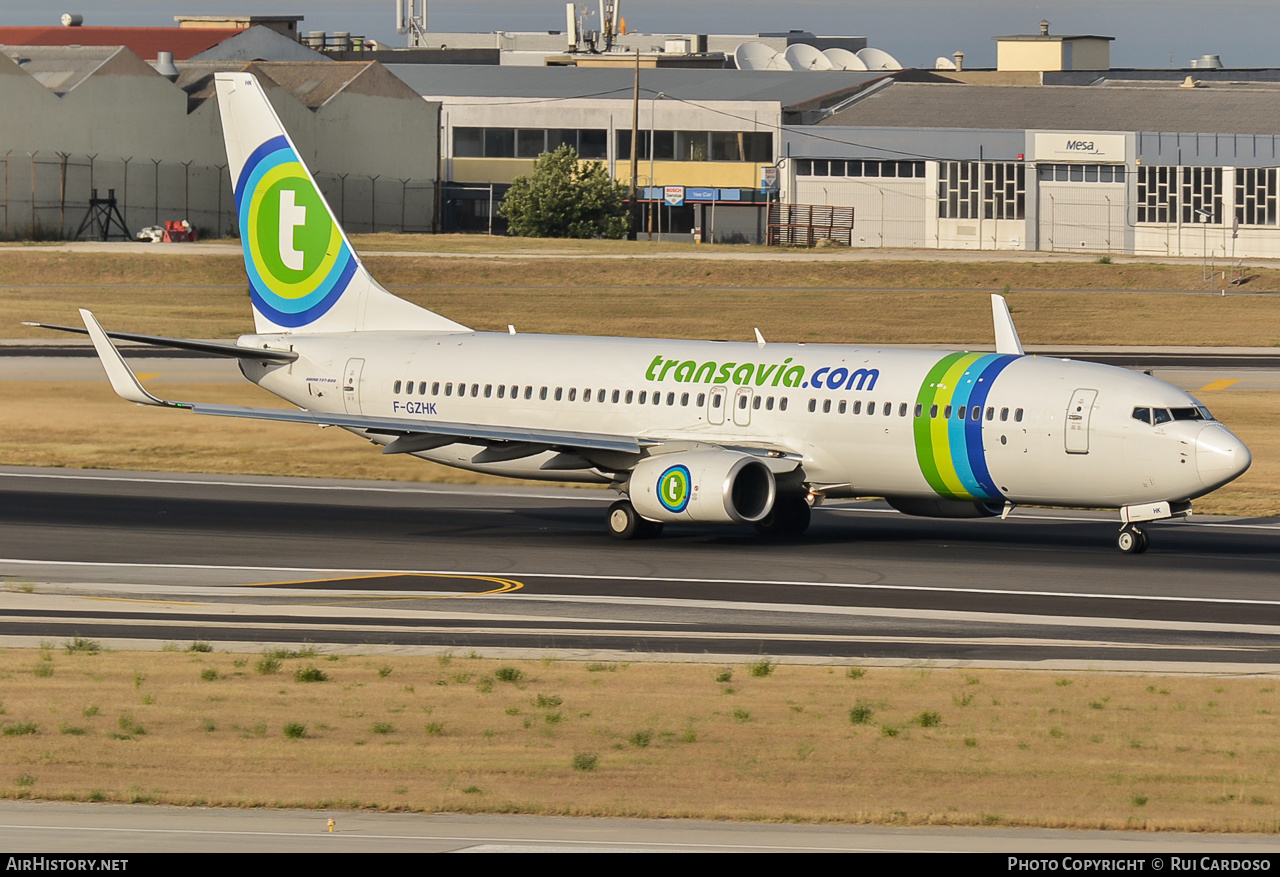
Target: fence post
x,y
373,204
404,195
62,192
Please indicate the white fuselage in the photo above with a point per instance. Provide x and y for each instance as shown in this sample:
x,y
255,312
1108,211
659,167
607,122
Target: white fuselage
x,y
863,421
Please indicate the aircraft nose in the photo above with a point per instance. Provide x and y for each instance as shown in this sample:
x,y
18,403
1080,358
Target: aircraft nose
x,y
1220,456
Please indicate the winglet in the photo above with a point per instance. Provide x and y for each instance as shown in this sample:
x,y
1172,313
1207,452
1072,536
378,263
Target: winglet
x,y
123,380
1007,340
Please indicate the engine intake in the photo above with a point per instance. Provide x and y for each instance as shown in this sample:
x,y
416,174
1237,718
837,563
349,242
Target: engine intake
x,y
710,487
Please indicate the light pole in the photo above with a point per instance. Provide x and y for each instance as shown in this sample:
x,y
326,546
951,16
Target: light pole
x,y
653,106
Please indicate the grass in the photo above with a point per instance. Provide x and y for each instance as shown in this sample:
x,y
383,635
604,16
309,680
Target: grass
x,y
656,740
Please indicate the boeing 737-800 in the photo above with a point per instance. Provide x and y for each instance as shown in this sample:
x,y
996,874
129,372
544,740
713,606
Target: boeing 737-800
x,y
686,431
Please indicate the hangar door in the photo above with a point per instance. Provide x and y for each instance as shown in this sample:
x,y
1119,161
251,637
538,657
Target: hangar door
x,y
1082,207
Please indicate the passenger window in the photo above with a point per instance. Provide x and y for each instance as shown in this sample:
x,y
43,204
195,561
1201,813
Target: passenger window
x,y
857,407
448,389
975,413
684,400
871,408
843,406
408,388
1017,415
542,394
615,397
528,392
644,397
933,411
475,389
902,410
946,413
782,404
559,393
768,404
435,389
960,414
600,395
671,399
422,388
991,413
631,395
488,390
826,406
395,388
1004,414
573,394
702,399
813,405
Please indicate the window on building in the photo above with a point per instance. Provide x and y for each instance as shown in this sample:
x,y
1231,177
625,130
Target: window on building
x,y
981,190
752,146
1201,194
1256,195
1080,173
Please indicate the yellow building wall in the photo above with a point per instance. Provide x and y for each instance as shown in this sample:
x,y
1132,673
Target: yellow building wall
x,y
721,174
1028,55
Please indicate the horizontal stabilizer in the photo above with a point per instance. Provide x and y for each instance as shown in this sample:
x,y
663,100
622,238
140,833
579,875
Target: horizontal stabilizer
x,y
211,347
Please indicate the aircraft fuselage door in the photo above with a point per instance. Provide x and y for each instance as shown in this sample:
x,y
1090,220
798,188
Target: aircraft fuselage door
x,y
351,385
1079,413
715,406
742,407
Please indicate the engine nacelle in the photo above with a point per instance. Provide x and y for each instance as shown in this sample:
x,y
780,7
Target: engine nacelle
x,y
710,487
944,508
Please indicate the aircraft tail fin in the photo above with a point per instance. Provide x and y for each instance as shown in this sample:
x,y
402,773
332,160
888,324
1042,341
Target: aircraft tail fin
x,y
304,275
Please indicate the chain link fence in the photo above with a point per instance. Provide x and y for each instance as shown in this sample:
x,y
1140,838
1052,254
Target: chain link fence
x,y
46,196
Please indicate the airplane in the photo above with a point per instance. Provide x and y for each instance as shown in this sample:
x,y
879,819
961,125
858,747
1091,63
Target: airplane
x,y
711,432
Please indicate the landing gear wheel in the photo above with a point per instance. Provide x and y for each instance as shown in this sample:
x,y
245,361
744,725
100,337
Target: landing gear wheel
x,y
626,523
623,521
1132,540
788,518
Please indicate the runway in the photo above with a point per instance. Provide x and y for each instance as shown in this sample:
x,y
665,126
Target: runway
x,y
138,559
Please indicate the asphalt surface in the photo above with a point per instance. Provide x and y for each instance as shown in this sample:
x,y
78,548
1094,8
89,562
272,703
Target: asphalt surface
x,y
363,566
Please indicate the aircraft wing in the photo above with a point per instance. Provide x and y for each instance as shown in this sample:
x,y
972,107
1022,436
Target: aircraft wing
x,y
512,440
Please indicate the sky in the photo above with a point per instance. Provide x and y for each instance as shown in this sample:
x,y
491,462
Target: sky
x,y
1148,33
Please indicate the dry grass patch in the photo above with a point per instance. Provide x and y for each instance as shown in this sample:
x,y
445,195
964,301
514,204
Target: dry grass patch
x,y
940,747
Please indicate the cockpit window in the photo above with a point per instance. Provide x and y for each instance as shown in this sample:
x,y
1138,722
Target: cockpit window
x,y
1160,415
1143,414
1190,414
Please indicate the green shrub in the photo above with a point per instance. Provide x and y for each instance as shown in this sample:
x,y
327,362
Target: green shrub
x,y
585,761
295,730
310,673
860,713
508,674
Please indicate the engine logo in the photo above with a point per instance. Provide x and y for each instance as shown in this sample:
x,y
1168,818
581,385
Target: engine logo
x,y
673,488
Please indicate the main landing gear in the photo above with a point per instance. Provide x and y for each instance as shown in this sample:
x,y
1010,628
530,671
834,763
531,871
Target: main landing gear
x,y
625,523
1132,540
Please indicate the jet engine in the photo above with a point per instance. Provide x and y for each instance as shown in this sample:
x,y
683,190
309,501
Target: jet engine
x,y
944,508
712,487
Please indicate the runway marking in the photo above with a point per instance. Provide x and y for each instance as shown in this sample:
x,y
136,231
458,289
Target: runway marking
x,y
505,586
1220,384
662,579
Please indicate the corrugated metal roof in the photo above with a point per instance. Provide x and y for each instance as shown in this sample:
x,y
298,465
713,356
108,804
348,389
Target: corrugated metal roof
x,y
1245,109
786,89
145,42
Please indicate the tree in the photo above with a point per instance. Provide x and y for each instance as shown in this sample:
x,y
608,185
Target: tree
x,y
566,198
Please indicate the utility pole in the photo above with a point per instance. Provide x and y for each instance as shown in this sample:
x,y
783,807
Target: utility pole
x,y
635,149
